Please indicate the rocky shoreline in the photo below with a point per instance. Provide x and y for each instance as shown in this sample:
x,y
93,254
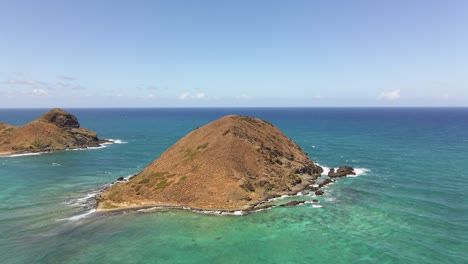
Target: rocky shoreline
x,y
54,130
312,190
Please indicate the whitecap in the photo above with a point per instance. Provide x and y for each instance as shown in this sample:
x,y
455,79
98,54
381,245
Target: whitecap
x,y
115,141
22,155
359,172
233,213
87,201
56,164
98,147
317,206
325,168
80,216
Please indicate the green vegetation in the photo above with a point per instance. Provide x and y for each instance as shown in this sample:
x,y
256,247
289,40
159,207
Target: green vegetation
x,y
190,154
143,181
163,184
107,205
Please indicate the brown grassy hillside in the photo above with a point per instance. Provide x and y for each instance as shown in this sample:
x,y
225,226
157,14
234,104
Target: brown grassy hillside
x,y
232,163
55,130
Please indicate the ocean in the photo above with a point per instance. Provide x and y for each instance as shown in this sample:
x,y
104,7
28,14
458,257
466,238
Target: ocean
x,y
407,205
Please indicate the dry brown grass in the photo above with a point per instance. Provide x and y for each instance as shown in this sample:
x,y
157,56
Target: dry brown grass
x,y
213,169
43,135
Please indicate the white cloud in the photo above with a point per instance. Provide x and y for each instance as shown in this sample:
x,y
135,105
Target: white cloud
x,y
151,96
25,82
184,96
39,92
189,96
66,83
200,96
392,95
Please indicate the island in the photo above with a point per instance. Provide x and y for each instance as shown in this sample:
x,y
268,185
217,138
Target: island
x,y
54,130
234,163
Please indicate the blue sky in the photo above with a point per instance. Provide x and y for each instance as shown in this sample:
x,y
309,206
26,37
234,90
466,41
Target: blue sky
x,y
233,53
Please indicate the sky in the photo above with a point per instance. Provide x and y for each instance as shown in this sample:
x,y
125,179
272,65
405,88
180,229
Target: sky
x,y
233,53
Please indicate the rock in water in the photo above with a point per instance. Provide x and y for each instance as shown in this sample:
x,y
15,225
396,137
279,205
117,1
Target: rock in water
x,y
232,163
55,130
341,172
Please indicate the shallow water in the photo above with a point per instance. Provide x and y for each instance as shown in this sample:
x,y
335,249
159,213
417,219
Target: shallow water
x,y
408,207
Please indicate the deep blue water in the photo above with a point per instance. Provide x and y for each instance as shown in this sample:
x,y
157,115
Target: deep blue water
x,y
408,205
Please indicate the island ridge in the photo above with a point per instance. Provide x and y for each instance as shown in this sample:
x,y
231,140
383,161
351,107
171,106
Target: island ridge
x,y
54,130
233,163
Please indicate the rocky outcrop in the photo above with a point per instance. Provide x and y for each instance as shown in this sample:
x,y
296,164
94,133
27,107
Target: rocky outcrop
x,y
325,182
60,118
319,192
292,203
233,163
54,130
341,172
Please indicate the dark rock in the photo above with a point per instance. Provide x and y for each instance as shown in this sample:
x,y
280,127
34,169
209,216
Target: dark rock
x,y
248,187
61,118
120,179
315,201
310,169
313,189
291,203
325,182
341,172
319,192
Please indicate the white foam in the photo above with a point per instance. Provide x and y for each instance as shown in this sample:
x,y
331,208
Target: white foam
x,y
279,198
144,210
359,172
115,141
22,155
317,206
103,145
99,147
80,216
325,169
234,213
56,164
208,212
129,176
88,200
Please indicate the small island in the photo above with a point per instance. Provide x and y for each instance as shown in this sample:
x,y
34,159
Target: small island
x,y
233,163
54,130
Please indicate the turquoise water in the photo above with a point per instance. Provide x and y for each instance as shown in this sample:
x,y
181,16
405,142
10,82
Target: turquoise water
x,y
408,206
